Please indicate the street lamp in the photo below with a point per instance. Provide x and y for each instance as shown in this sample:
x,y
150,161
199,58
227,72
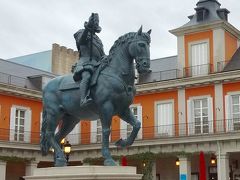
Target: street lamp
x,y
213,160
177,162
62,143
67,149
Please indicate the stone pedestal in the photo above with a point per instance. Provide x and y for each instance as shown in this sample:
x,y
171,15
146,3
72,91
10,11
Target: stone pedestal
x,y
85,173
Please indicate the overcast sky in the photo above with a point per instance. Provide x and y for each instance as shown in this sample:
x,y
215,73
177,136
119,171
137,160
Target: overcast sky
x,y
31,26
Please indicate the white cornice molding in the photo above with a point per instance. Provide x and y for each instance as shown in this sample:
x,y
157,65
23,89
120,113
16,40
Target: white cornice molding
x,y
165,141
20,91
204,27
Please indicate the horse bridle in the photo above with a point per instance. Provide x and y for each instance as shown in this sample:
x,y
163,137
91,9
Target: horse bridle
x,y
140,61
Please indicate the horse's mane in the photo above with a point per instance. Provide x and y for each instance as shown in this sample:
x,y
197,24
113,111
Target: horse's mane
x,y
128,37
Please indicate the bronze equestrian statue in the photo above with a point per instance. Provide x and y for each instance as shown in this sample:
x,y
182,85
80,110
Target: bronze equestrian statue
x,y
111,88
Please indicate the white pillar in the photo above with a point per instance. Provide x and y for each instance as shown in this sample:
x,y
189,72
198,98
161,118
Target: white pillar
x,y
223,166
182,112
30,167
218,89
218,49
181,54
184,168
3,165
154,170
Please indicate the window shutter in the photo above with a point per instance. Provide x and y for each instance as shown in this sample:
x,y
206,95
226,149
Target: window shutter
x,y
228,113
191,127
199,57
41,119
210,114
73,136
12,123
27,126
170,124
123,129
93,131
139,112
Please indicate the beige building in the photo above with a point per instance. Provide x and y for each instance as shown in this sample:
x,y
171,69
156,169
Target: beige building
x,y
63,59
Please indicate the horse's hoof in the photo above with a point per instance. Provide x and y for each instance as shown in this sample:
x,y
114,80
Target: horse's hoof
x,y
60,162
121,143
109,162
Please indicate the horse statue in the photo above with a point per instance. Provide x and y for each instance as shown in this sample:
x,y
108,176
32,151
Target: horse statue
x,y
112,94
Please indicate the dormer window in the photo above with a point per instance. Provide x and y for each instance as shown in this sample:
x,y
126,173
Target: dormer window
x,y
201,13
223,14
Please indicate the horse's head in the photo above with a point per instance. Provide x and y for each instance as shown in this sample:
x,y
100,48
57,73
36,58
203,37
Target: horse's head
x,y
139,50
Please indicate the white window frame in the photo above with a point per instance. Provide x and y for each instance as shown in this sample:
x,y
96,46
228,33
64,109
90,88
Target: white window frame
x,y
198,71
99,131
27,122
190,114
125,126
74,136
94,132
170,129
228,110
41,119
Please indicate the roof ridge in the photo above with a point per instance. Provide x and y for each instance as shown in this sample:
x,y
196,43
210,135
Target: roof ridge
x,y
29,54
163,58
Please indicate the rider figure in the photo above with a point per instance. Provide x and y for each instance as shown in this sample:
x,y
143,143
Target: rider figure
x,y
91,51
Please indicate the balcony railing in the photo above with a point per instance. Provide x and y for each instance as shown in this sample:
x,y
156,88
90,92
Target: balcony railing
x,y
203,69
13,80
152,132
20,81
221,65
159,76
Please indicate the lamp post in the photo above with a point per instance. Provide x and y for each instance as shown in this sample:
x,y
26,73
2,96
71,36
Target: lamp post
x,y
67,149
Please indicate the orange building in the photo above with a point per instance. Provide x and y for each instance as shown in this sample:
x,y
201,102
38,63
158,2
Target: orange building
x,y
20,115
189,103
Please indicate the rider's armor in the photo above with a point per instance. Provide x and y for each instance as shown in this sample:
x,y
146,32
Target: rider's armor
x,y
84,63
91,51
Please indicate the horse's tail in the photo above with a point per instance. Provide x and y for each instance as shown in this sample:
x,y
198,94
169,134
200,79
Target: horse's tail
x,y
44,144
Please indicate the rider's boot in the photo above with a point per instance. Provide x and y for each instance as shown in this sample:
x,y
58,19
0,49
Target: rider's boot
x,y
85,99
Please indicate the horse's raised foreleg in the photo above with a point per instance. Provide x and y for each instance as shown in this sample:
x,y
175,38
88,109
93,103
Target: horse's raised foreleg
x,y
106,119
128,117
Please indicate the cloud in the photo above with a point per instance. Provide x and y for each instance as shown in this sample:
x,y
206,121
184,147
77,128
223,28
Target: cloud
x,y
29,26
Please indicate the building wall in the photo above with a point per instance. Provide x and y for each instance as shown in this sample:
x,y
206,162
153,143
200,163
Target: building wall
x,y
198,36
148,110
115,134
63,59
6,103
167,169
227,88
85,132
15,170
231,45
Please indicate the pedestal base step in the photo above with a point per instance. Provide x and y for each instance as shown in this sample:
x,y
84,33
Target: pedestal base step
x,y
85,173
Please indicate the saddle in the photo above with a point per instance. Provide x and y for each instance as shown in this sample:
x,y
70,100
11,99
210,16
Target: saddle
x,y
70,84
